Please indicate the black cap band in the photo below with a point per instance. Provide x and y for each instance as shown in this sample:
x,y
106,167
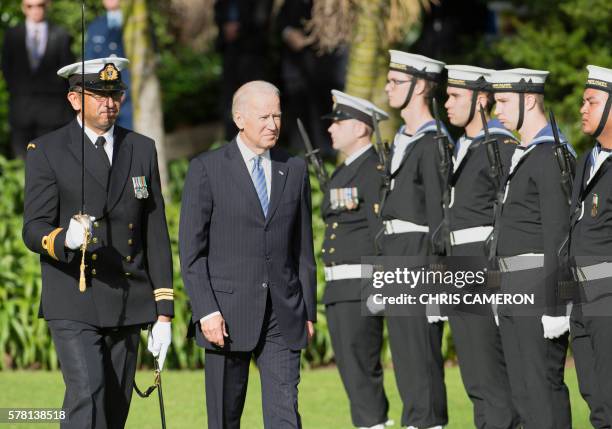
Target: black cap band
x,y
521,87
343,112
423,74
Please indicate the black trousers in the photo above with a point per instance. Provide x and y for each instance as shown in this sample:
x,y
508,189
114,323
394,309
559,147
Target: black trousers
x,y
593,364
419,370
33,116
357,342
483,370
227,376
98,366
536,369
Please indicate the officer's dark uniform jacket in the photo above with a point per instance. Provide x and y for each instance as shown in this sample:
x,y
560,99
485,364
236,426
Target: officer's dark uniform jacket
x,y
129,264
416,195
474,191
591,219
350,232
534,214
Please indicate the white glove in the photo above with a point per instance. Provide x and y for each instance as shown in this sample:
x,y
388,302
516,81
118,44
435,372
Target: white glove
x,y
435,319
554,327
76,231
160,337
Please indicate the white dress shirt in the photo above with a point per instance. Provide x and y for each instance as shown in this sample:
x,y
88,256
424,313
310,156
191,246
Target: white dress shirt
x,y
108,136
249,158
357,154
42,28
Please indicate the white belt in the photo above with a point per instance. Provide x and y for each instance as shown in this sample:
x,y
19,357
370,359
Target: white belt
x,y
594,272
348,271
526,261
470,235
396,226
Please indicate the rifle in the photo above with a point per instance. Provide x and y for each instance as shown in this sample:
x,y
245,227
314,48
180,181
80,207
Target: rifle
x,y
313,157
444,149
384,162
565,160
496,174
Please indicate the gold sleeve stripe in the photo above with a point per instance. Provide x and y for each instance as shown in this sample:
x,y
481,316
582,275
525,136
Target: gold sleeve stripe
x,y
164,297
163,290
48,242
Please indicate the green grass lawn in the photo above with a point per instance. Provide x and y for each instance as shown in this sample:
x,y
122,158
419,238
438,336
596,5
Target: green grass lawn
x,y
323,404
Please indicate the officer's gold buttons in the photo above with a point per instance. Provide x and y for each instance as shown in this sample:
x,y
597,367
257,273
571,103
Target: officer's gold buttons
x,y
332,250
332,237
94,256
128,258
96,224
334,225
322,250
128,274
131,226
130,241
93,272
94,240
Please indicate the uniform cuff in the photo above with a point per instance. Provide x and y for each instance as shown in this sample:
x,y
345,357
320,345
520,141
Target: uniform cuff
x,y
209,316
164,301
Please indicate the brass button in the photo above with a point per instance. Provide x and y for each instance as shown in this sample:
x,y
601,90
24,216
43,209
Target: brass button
x,y
93,272
96,224
332,237
131,226
128,274
334,225
332,250
130,241
128,258
94,256
322,250
94,240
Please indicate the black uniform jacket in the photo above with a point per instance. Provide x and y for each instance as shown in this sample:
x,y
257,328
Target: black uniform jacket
x,y
534,215
350,231
474,189
416,195
129,262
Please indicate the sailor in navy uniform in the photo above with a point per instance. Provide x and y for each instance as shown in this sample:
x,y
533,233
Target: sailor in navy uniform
x,y
529,232
410,210
589,246
473,192
128,274
350,211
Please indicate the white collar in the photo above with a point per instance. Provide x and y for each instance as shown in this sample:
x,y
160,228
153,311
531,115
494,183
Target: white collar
x,y
247,153
93,136
30,25
352,157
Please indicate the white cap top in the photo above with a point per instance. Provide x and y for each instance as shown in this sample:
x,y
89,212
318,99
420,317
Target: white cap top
x,y
417,65
599,78
92,66
518,80
470,77
350,107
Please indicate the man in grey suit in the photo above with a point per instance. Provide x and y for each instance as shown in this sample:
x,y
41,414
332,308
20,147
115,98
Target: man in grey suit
x,y
247,263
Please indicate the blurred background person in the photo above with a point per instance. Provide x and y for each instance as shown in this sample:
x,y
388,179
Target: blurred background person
x,y
244,29
105,39
32,53
307,76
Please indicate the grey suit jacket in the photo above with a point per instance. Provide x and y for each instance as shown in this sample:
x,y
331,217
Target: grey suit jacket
x,y
232,256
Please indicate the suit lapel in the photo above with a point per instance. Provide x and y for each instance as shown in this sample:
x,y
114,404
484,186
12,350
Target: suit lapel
x,y
122,161
93,163
278,178
241,176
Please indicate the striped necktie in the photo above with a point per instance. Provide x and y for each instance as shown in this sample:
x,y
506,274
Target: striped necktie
x,y
259,180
